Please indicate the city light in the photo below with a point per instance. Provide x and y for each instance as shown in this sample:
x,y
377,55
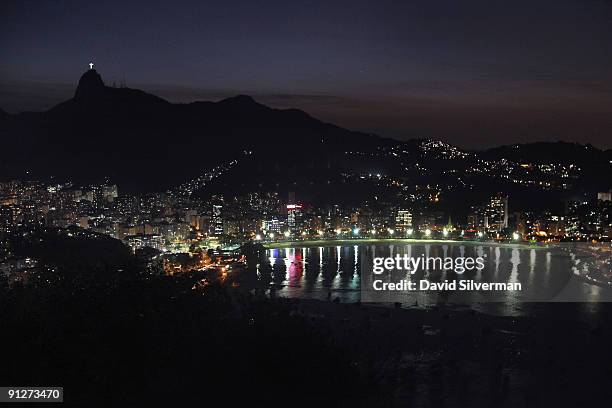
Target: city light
x,y
100,209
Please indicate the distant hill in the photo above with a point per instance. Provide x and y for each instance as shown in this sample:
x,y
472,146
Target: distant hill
x,y
545,152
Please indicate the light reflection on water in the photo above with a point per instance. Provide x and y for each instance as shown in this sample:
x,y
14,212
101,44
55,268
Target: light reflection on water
x,y
327,273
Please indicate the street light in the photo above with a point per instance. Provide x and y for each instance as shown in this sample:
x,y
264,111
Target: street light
x,y
445,232
287,234
515,236
257,237
391,231
356,231
427,232
410,231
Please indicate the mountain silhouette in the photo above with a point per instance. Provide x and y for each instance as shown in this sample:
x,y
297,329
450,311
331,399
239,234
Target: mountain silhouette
x,y
146,142
90,85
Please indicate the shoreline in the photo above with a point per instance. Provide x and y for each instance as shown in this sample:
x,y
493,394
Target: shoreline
x,y
326,243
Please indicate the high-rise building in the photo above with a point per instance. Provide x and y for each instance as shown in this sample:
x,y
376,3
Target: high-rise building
x,y
403,219
294,216
496,213
217,219
109,192
472,219
272,225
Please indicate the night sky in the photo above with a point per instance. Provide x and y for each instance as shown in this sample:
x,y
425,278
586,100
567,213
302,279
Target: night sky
x,y
473,73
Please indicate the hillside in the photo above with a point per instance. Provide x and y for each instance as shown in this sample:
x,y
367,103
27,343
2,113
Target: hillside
x,y
145,143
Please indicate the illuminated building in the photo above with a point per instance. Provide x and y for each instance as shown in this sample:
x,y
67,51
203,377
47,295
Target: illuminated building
x,y
145,241
605,196
174,231
217,220
10,217
83,222
555,225
109,193
294,216
403,220
496,213
272,225
472,220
